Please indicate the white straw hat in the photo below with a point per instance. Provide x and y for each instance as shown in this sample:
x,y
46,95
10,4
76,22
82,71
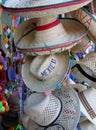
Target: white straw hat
x,y
40,8
87,18
85,69
48,35
47,108
44,73
88,104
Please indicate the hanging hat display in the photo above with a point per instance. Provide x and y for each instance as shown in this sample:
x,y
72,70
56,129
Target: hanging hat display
x,y
48,35
43,73
59,110
39,8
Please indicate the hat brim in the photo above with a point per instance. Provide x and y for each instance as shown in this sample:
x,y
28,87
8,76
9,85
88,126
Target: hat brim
x,y
48,42
47,8
42,86
86,102
70,113
80,77
81,46
87,18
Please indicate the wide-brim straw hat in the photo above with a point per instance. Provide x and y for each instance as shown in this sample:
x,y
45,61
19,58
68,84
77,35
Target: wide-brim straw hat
x,y
48,35
86,17
40,8
81,46
85,69
44,73
88,104
66,120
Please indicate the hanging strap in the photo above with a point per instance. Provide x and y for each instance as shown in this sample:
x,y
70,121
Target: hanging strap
x,y
55,124
84,73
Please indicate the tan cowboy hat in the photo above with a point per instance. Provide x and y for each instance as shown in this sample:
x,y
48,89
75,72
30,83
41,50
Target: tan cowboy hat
x,y
44,73
59,110
48,35
40,8
85,69
81,46
88,104
88,19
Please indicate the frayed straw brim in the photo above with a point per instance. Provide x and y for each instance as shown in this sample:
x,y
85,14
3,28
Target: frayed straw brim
x,y
84,16
42,8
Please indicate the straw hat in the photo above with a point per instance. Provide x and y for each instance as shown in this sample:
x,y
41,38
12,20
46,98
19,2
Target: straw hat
x,y
89,61
85,69
39,8
61,111
88,104
48,35
81,46
43,73
88,19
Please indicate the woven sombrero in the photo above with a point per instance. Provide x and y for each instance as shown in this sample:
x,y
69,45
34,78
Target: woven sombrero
x,y
39,8
81,46
59,112
48,35
44,73
85,69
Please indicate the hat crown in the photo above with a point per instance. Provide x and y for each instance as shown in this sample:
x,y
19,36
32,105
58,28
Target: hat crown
x,y
42,109
44,67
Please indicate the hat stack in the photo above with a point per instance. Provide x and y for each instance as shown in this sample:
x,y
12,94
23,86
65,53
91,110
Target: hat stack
x,y
46,39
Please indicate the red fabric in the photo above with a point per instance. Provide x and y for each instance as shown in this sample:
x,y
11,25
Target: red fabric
x,y
2,75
